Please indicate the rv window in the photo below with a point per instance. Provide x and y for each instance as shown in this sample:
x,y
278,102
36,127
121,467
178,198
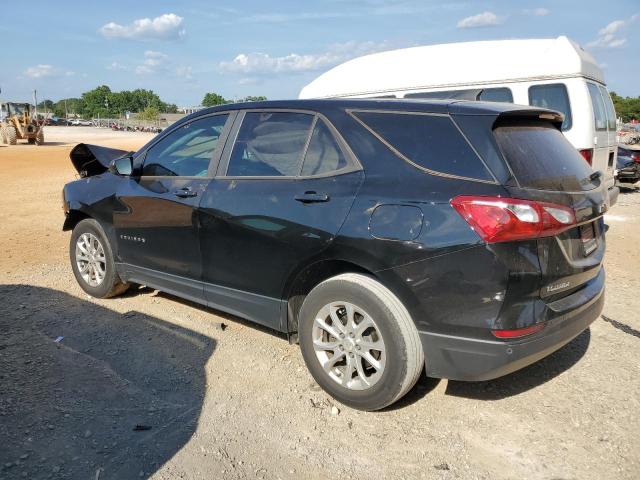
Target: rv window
x,y
554,97
611,112
599,113
432,142
444,94
501,94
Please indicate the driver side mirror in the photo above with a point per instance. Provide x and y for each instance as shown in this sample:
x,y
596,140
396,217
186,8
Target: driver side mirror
x,y
122,166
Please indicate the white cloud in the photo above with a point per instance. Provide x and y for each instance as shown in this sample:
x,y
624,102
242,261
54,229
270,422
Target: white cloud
x,y
612,28
40,71
116,66
263,63
537,12
153,63
185,72
165,27
484,19
610,35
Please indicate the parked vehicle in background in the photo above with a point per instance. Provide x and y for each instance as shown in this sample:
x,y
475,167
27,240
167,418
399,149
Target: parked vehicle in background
x,y
80,122
465,239
552,73
628,166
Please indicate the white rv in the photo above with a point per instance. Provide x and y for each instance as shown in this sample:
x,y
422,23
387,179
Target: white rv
x,y
551,73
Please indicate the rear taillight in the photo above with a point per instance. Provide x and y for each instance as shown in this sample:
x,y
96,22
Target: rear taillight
x,y
498,219
518,332
587,154
635,157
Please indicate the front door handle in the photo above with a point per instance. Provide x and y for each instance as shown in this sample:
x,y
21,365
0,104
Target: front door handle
x,y
185,193
312,197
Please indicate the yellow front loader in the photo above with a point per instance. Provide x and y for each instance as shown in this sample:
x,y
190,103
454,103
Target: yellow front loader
x,y
17,123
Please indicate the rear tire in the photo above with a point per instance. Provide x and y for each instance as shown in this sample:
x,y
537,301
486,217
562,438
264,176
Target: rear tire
x,y
12,135
40,137
3,134
92,261
359,342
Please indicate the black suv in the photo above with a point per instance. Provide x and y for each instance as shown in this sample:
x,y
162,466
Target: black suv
x,y
386,236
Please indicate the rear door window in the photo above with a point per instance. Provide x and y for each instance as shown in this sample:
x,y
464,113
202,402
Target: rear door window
x,y
597,104
270,144
611,111
553,96
542,158
430,142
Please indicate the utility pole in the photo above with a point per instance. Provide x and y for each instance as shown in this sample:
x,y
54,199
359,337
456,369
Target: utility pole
x,y
66,114
35,102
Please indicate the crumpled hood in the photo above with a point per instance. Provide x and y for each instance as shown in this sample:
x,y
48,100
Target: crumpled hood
x,y
91,160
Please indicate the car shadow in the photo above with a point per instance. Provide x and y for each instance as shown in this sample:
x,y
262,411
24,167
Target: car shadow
x,y
88,392
527,378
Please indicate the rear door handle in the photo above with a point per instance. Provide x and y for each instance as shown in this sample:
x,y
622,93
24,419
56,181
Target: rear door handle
x,y
312,197
185,193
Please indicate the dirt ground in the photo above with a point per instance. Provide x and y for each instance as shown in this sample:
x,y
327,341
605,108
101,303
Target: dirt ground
x,y
150,386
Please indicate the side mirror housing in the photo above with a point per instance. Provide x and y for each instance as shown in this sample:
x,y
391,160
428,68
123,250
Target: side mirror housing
x,y
122,166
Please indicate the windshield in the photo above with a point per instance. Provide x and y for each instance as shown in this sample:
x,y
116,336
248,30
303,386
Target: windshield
x,y
17,108
542,158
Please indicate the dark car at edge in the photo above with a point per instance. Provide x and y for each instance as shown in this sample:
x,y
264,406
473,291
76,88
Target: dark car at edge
x,y
389,238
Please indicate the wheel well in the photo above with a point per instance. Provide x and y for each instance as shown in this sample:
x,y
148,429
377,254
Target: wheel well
x,y
73,218
307,279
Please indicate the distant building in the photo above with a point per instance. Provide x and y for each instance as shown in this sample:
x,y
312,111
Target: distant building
x,y
189,110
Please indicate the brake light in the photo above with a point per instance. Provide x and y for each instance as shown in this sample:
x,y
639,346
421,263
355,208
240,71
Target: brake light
x,y
498,219
587,154
635,157
518,332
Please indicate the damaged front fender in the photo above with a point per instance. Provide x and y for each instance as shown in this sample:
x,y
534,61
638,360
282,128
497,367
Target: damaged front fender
x,y
91,160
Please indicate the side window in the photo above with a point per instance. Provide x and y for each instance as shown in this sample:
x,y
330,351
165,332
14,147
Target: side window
x,y
270,144
187,151
553,96
502,94
599,112
323,155
432,142
611,111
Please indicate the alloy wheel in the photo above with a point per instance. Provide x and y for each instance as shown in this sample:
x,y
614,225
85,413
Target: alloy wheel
x,y
349,345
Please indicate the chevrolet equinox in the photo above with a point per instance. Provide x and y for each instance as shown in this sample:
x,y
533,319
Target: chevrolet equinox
x,y
387,237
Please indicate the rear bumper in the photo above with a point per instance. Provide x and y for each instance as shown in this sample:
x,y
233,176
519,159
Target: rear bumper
x,y
458,358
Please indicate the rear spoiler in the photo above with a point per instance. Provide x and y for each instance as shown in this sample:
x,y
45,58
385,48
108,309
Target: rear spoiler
x,y
514,116
91,160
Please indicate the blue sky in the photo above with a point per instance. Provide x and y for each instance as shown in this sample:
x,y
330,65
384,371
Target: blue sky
x,y
183,49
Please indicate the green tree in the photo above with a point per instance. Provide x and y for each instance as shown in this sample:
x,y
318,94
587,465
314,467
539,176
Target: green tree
x,y
46,105
251,98
149,114
627,108
96,102
212,99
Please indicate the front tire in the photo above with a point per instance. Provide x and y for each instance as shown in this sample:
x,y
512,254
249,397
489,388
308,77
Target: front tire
x,y
359,342
92,261
12,135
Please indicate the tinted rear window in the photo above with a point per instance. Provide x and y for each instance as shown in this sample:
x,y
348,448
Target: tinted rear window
x,y
432,142
554,97
542,158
